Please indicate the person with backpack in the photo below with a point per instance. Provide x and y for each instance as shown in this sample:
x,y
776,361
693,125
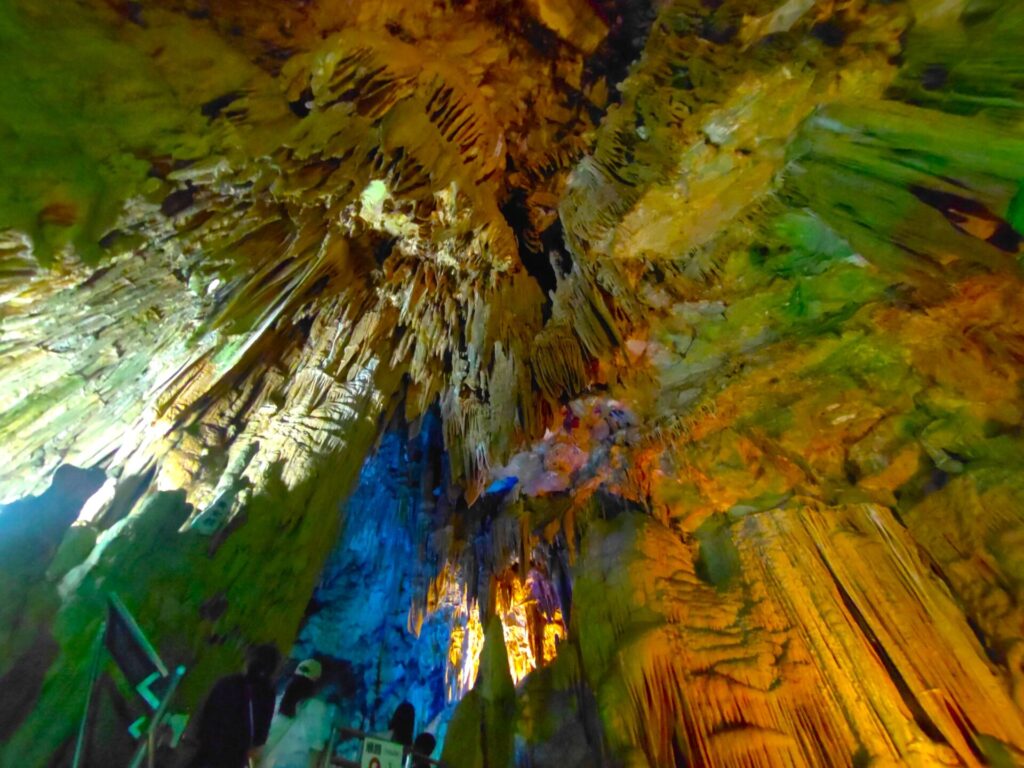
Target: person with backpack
x,y
235,720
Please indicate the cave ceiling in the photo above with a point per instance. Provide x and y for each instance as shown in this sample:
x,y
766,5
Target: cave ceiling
x,y
283,212
235,220
749,270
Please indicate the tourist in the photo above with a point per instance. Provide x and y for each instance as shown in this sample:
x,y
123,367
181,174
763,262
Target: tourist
x,y
402,724
302,724
422,749
235,719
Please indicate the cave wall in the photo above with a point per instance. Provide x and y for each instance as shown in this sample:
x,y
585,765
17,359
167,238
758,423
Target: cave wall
x,y
359,618
801,543
201,600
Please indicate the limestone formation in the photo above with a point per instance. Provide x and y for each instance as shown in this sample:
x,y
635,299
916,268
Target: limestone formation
x,y
674,348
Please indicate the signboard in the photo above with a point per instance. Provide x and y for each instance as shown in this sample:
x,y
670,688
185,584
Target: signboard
x,y
378,753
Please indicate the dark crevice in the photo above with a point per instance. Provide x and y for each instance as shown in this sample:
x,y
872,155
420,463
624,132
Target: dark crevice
x,y
301,106
921,718
178,201
832,33
382,249
935,77
214,107
537,264
629,22
958,210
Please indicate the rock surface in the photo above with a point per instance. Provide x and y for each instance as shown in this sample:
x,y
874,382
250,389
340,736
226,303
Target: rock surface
x,y
690,387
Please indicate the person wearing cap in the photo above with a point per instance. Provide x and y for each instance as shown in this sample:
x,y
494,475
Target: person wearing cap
x,y
302,723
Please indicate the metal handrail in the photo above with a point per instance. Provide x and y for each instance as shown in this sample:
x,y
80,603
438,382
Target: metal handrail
x,y
147,749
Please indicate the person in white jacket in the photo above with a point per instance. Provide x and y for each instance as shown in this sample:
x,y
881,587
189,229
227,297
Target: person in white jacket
x,y
302,722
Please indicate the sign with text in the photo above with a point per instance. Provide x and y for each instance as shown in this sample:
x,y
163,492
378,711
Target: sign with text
x,y
378,753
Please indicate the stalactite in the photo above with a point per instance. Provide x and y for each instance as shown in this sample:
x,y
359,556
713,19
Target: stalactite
x,y
726,356
395,154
